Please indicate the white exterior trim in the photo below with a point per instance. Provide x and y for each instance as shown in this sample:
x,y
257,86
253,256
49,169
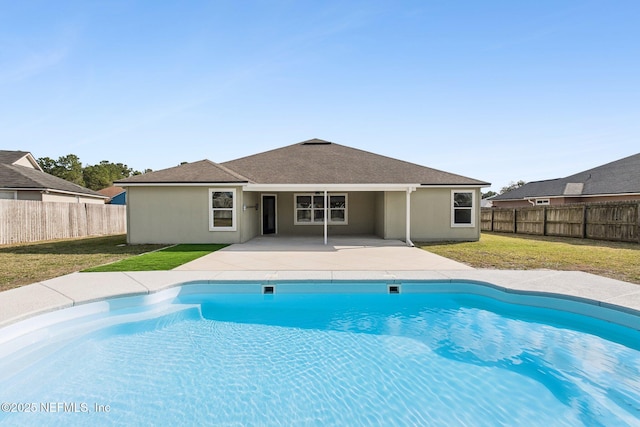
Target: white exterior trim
x,y
234,209
326,209
180,184
54,191
472,209
297,187
580,196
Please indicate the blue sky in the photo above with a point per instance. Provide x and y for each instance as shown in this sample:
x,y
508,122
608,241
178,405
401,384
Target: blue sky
x,y
494,90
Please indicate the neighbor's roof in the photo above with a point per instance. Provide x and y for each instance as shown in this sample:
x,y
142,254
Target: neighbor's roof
x,y
619,177
112,191
8,157
17,177
309,162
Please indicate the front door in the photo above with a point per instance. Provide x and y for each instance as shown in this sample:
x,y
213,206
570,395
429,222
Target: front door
x,y
268,214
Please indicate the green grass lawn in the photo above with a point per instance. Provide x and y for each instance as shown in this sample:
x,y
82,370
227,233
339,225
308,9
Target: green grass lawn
x,y
519,252
25,263
164,259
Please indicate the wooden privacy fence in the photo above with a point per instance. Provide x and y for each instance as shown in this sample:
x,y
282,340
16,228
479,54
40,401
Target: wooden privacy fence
x,y
32,221
616,221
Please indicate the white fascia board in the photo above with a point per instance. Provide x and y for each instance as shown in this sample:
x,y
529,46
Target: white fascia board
x,y
452,186
99,196
580,196
327,187
54,191
295,187
179,184
605,195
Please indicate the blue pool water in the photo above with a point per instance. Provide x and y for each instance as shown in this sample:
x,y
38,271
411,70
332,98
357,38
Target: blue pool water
x,y
325,359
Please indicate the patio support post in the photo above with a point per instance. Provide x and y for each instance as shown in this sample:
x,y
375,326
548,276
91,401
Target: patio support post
x,y
408,219
326,210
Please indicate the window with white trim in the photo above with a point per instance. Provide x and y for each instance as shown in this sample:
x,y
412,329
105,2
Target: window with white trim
x,y
463,208
222,212
309,209
542,201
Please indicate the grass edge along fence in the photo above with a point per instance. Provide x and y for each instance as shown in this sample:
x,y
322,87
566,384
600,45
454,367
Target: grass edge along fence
x,y
613,221
23,221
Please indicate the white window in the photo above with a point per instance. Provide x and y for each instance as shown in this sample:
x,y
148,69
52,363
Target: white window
x,y
463,208
542,201
309,209
222,212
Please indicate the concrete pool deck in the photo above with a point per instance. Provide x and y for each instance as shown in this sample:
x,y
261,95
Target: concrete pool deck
x,y
341,253
268,260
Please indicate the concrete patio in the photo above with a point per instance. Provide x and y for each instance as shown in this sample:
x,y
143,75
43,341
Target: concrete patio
x,y
342,253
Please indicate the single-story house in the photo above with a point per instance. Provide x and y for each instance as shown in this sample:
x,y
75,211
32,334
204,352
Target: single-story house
x,y
615,181
22,178
117,195
313,188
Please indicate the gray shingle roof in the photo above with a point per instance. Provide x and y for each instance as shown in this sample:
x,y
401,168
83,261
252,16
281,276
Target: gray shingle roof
x,y
317,161
8,157
618,177
20,177
309,162
202,171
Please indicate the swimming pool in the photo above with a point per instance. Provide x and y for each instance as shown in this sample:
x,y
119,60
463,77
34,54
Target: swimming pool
x,y
347,353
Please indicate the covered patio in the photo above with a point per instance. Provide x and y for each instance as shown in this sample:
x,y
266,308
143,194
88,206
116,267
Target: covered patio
x,y
341,253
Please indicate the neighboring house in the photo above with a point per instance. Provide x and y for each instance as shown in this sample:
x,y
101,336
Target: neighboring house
x,y
313,188
487,203
615,181
21,178
117,195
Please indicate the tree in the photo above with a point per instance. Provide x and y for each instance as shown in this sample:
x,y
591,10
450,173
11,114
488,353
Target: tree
x,y
95,177
66,167
489,194
47,164
103,175
512,186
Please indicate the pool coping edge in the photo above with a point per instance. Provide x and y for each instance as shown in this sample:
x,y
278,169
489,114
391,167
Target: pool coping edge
x,y
71,290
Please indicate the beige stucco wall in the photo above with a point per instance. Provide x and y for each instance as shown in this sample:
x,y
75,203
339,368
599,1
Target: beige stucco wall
x,y
378,229
29,195
556,201
249,218
430,216
179,215
56,197
70,198
361,207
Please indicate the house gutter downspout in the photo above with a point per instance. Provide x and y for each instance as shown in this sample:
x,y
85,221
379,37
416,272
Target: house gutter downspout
x,y
408,219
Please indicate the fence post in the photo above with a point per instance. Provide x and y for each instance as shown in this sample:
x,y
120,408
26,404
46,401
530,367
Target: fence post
x,y
638,224
584,221
544,220
491,228
515,221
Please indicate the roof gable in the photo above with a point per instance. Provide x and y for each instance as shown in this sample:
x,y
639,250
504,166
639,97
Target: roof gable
x,y
322,162
19,158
